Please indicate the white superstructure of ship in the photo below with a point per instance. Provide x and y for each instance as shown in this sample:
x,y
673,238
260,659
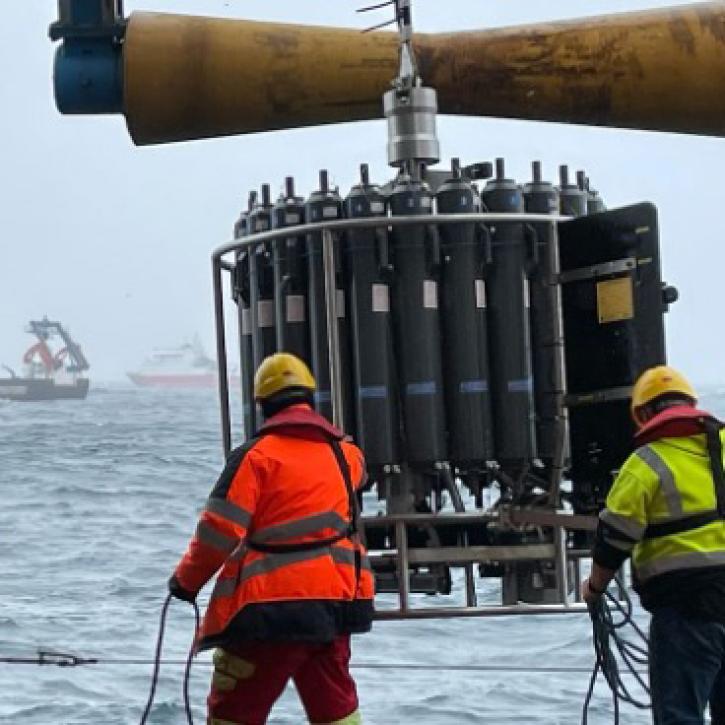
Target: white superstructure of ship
x,y
186,366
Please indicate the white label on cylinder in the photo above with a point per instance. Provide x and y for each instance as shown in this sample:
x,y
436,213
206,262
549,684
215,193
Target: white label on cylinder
x,y
527,299
430,294
265,313
295,308
246,322
426,201
291,218
260,225
329,212
381,298
340,304
480,294
377,207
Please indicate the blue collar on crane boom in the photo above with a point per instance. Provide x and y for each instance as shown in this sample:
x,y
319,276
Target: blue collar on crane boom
x,y
88,74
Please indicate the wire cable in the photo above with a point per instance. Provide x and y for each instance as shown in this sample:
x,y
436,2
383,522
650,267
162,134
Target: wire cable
x,y
44,658
189,661
157,661
610,647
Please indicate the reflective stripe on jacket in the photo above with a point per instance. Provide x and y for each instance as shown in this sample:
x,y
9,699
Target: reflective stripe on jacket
x,y
284,488
662,509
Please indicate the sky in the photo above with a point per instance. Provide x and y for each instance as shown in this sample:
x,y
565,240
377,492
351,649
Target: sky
x,y
115,240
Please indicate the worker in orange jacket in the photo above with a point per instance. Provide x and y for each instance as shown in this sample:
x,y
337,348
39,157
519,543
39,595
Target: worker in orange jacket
x,y
295,580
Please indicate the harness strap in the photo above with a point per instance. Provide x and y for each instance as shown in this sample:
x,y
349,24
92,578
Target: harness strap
x,y
669,528
265,548
349,533
714,449
696,521
353,507
345,470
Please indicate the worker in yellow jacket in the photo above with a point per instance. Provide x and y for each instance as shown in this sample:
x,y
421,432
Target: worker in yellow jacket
x,y
666,510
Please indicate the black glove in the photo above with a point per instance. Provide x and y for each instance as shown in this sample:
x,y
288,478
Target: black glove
x,y
177,591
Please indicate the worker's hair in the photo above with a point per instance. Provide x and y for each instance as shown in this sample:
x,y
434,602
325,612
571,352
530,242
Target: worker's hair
x,y
290,396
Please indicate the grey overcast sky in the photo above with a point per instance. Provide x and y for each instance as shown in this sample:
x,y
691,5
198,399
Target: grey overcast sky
x,y
115,240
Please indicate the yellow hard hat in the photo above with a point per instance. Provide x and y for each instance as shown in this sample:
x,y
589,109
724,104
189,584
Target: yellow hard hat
x,y
279,372
658,381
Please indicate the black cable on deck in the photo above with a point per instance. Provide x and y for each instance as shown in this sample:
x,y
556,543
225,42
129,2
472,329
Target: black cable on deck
x,y
608,643
157,662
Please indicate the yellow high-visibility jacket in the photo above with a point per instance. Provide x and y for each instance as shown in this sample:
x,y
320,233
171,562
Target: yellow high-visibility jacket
x,y
665,486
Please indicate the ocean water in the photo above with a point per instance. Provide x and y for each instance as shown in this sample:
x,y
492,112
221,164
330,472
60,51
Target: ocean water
x,y
97,501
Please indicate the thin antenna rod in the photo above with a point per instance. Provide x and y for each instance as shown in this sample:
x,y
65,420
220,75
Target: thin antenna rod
x,y
375,7
385,24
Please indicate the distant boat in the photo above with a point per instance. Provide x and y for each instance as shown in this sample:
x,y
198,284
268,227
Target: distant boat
x,y
186,366
48,374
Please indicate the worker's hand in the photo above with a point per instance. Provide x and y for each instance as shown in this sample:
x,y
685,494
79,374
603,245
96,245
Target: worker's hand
x,y
589,593
177,591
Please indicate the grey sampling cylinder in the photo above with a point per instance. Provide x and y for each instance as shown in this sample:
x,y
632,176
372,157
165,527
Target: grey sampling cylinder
x,y
547,342
509,331
290,276
416,315
466,254
325,204
261,271
368,273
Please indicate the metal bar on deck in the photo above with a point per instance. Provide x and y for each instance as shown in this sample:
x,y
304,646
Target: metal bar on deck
x,y
470,579
490,611
579,553
577,579
333,329
401,542
562,565
221,350
573,522
479,554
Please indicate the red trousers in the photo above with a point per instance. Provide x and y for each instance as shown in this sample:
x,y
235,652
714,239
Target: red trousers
x,y
248,679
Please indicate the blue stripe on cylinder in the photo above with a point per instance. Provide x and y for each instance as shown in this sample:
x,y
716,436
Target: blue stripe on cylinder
x,y
473,386
525,385
426,388
372,391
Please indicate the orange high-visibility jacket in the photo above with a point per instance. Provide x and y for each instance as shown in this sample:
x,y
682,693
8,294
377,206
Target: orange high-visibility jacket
x,y
281,522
